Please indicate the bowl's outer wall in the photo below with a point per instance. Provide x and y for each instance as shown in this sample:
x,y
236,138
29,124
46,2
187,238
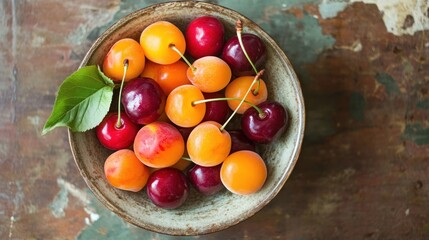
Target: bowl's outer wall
x,y
199,215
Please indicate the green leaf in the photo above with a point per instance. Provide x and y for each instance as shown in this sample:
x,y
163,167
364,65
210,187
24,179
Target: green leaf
x,y
106,79
82,102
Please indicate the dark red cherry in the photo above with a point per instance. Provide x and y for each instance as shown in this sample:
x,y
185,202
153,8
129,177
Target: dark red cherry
x,y
113,137
167,188
143,100
206,180
239,142
264,129
185,132
204,37
218,110
234,56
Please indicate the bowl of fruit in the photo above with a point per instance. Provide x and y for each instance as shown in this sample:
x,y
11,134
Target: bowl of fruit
x,y
184,118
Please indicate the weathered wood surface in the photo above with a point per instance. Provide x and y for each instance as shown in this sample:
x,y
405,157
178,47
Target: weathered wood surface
x,y
364,167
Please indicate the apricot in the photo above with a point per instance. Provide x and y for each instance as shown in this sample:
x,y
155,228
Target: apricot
x,y
238,88
180,108
207,145
209,74
243,172
113,63
159,145
167,76
123,170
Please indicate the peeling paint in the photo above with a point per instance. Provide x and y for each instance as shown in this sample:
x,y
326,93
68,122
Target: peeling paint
x,y
37,40
61,200
355,47
388,82
34,120
59,203
396,13
400,17
416,133
330,8
298,34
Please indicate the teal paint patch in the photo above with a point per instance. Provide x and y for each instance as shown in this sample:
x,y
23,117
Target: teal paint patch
x,y
301,39
254,9
388,82
357,106
330,9
416,133
125,7
109,226
423,104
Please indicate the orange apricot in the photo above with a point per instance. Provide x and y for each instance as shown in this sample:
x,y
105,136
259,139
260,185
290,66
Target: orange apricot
x,y
167,76
179,107
156,40
243,172
209,74
123,170
159,145
238,88
207,145
113,64
151,70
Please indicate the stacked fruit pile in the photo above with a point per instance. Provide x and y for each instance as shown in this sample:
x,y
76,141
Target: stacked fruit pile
x,y
176,113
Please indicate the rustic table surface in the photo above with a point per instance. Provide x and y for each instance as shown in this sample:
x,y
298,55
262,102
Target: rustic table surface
x,y
364,166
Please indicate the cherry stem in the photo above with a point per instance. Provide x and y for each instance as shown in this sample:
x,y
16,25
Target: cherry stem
x,y
119,122
260,112
186,158
239,28
242,100
174,48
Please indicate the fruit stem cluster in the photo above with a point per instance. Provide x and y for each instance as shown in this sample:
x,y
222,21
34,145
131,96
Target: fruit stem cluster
x,y
261,113
242,100
239,29
119,122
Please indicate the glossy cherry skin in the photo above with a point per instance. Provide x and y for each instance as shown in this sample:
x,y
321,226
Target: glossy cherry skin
x,y
204,37
115,138
167,188
239,142
234,56
265,129
206,180
216,111
143,100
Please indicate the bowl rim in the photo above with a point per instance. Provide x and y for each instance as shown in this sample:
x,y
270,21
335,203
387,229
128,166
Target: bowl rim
x,y
276,187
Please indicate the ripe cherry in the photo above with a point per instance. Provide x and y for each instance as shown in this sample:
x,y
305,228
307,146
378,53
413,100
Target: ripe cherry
x,y
117,131
205,37
167,188
205,180
265,126
113,137
217,110
239,142
233,54
143,100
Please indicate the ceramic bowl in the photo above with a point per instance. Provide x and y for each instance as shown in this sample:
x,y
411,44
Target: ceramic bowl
x,y
199,214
